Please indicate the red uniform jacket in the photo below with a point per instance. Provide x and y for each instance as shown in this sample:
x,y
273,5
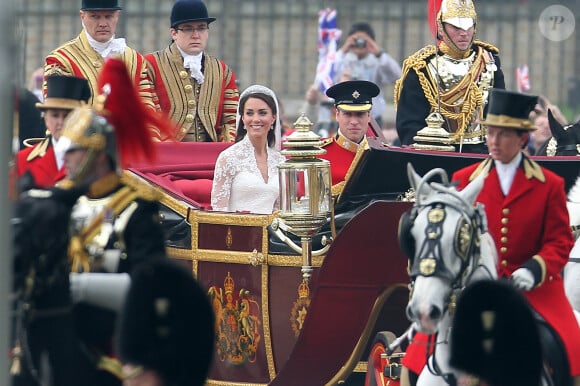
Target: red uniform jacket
x,y
530,227
217,103
78,58
340,152
41,162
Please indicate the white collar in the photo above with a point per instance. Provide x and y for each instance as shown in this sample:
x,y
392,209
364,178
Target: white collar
x,y
506,172
112,46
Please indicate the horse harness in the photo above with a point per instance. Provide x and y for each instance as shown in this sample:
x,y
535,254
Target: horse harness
x,y
429,259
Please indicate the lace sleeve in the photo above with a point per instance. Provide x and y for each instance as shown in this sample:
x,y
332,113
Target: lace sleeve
x,y
222,183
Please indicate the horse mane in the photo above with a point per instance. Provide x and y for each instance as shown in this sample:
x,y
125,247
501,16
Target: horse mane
x,y
574,193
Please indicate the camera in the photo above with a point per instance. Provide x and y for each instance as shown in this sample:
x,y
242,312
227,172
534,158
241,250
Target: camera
x,y
360,43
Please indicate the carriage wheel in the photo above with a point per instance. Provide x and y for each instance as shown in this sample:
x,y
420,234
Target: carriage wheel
x,y
383,370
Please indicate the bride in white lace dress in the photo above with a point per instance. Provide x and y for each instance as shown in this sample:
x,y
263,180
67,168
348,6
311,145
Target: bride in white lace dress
x,y
246,173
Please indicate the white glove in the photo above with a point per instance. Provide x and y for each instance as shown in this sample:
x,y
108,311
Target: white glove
x,y
107,290
523,279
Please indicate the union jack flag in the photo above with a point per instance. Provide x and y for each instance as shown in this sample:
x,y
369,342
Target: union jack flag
x,y
328,36
523,78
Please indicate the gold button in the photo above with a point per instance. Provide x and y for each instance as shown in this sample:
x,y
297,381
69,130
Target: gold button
x,y
504,220
97,64
503,249
504,240
189,118
190,103
505,211
504,263
188,87
183,74
504,230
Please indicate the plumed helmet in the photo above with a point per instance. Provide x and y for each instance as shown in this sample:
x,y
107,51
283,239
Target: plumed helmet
x,y
119,123
167,324
494,335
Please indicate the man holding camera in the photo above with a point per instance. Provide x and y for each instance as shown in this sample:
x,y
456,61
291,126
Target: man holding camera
x,y
361,58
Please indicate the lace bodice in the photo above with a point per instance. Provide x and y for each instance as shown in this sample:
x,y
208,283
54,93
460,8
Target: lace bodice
x,y
238,184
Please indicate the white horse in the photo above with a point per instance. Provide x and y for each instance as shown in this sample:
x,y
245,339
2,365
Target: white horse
x,y
572,269
446,239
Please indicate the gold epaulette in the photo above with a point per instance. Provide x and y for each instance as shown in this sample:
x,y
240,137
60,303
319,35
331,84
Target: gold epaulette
x,y
415,61
39,150
487,46
418,59
483,167
143,189
533,170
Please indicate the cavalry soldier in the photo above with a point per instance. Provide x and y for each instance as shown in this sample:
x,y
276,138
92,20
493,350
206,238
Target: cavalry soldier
x,y
353,102
45,160
85,55
453,79
196,90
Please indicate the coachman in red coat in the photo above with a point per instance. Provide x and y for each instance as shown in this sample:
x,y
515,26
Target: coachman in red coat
x,y
41,161
527,217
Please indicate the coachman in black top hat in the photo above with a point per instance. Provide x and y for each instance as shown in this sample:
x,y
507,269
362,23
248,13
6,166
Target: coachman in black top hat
x,y
510,110
100,5
186,11
65,92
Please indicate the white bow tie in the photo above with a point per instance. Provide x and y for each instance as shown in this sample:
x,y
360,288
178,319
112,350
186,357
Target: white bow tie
x,y
194,64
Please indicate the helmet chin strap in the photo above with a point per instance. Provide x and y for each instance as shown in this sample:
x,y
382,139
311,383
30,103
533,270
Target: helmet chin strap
x,y
82,173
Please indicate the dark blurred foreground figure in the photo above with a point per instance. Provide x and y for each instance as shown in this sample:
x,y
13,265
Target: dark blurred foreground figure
x,y
494,336
166,329
101,233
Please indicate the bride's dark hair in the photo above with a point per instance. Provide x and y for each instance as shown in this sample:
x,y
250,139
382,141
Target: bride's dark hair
x,y
241,130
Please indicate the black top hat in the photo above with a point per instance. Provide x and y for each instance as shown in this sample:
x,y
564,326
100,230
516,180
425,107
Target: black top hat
x,y
65,92
100,5
185,11
167,324
494,335
353,95
510,109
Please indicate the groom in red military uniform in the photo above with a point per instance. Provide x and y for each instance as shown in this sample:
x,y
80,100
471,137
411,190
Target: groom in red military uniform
x,y
353,102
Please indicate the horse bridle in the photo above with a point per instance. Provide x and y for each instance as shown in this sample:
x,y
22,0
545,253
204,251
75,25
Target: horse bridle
x,y
429,260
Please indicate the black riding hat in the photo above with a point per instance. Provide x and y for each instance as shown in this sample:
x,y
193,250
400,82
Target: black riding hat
x,y
100,5
510,110
185,11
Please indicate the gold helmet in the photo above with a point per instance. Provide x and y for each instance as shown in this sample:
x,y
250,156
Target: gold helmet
x,y
460,13
118,123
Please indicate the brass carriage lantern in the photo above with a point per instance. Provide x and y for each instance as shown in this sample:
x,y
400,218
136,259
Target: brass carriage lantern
x,y
305,191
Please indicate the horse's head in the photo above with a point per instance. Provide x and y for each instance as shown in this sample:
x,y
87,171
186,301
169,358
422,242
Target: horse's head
x,y
441,236
567,138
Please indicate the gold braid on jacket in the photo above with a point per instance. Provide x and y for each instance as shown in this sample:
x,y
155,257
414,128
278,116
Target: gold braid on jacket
x,y
466,90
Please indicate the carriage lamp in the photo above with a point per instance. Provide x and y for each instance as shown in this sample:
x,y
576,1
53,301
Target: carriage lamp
x,y
433,136
305,192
